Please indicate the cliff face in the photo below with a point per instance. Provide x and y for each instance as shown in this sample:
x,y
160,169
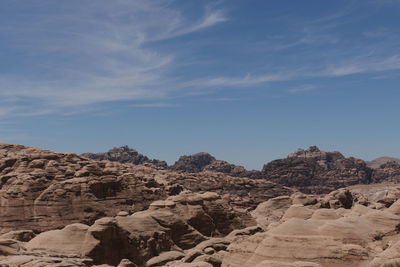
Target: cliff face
x,y
43,190
316,171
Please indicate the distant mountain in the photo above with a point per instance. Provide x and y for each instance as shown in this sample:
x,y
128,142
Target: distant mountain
x,y
125,154
316,171
376,163
308,170
205,162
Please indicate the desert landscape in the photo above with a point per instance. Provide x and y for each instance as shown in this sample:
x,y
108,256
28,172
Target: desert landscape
x,y
119,208
199,133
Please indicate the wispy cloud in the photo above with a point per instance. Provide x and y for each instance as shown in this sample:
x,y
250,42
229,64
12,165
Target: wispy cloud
x,y
93,54
302,89
154,105
364,65
246,80
103,52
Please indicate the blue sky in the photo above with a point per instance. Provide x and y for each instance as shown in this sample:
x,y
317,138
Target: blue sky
x,y
248,81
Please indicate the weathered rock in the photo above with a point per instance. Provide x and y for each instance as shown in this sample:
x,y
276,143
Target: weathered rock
x,y
309,236
10,247
315,171
193,163
388,172
288,264
41,190
271,211
376,163
44,261
124,154
170,225
126,263
205,162
21,235
164,258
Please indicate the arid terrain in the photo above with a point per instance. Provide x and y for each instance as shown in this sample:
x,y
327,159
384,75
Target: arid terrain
x,y
120,208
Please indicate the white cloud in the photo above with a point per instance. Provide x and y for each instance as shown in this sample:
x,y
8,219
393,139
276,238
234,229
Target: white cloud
x,y
92,54
364,65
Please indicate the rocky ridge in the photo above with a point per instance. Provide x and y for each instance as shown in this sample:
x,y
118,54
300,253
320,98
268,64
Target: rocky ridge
x,y
316,171
124,154
41,190
387,172
205,162
376,163
308,170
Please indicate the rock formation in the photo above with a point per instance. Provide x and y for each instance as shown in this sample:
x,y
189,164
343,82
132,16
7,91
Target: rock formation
x,y
156,236
353,227
205,162
310,234
316,171
387,172
42,190
376,163
124,154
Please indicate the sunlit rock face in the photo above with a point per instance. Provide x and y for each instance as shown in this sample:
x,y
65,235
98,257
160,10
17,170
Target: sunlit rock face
x,y
42,190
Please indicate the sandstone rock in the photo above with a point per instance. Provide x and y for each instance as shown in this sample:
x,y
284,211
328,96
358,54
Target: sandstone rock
x,y
318,237
44,261
298,211
126,263
376,163
21,235
387,172
164,258
341,198
315,171
170,225
205,162
71,237
41,190
288,264
192,264
10,247
124,154
193,163
271,211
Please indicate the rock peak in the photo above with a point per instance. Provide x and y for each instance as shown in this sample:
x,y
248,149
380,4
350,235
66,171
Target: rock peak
x,y
125,154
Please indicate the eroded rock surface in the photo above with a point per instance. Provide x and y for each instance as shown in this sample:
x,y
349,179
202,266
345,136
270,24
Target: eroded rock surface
x,y
316,171
42,190
156,236
205,162
387,172
125,154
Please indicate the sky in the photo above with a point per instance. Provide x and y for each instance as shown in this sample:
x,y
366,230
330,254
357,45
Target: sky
x,y
247,81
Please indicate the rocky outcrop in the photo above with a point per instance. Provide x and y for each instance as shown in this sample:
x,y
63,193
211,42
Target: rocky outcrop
x,y
376,163
205,162
354,226
312,235
124,154
387,172
316,171
156,236
41,190
193,163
